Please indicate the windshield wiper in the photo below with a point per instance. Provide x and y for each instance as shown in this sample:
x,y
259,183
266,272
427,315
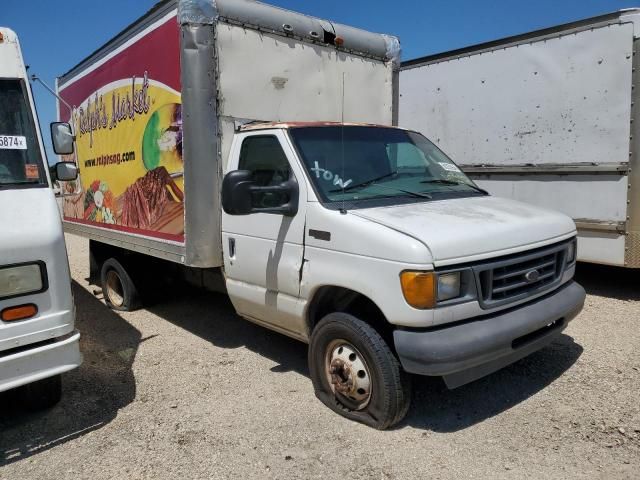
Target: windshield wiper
x,y
442,181
373,181
395,189
365,183
408,192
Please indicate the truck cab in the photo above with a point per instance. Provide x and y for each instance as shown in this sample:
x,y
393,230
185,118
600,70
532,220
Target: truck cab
x,y
38,341
369,243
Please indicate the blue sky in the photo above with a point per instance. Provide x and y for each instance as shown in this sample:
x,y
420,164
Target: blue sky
x,y
56,35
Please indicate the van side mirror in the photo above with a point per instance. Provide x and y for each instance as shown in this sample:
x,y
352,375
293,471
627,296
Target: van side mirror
x,y
239,194
66,171
62,138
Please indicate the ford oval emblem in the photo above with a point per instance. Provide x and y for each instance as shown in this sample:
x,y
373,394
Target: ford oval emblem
x,y
532,276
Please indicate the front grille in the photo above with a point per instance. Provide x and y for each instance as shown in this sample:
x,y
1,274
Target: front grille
x,y
520,276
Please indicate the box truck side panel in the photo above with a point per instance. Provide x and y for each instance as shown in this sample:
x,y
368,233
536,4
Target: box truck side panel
x,y
127,117
297,81
545,120
155,112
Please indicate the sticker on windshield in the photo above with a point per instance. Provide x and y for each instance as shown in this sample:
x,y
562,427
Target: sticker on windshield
x,y
13,142
449,167
31,171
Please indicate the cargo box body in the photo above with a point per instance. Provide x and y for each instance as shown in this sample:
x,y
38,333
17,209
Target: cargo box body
x,y
547,118
154,112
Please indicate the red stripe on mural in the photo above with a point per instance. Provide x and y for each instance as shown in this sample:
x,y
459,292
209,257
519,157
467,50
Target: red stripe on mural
x,y
122,228
157,53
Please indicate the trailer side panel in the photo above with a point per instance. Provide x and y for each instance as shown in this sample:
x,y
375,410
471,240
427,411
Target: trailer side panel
x,y
545,120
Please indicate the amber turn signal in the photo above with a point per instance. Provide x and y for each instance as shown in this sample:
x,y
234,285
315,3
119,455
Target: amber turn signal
x,y
21,312
419,289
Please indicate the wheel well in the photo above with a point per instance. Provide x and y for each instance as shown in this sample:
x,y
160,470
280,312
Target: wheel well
x,y
331,299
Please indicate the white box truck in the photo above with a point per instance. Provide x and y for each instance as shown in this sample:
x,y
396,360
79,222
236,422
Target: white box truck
x,y
248,150
38,341
547,118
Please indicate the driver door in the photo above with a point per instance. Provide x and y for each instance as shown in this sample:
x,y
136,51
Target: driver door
x,y
263,252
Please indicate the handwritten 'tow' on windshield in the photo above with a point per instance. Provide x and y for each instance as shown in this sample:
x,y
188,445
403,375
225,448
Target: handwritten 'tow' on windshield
x,y
329,176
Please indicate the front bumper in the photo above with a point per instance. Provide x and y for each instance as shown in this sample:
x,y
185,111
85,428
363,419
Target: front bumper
x,y
472,349
32,363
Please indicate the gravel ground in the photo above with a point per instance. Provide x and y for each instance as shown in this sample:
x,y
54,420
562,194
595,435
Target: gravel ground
x,y
187,389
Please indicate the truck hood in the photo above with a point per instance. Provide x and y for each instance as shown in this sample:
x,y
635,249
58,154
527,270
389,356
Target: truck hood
x,y
475,228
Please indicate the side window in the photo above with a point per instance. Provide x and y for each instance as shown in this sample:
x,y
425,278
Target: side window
x,y
264,158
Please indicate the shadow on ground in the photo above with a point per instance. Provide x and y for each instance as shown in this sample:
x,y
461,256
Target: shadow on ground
x,y
605,281
213,318
92,394
434,407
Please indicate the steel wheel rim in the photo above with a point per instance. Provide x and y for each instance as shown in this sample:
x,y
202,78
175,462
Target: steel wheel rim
x,y
348,374
115,292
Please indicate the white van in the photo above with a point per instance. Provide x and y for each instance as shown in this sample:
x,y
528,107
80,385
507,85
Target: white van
x,y
38,341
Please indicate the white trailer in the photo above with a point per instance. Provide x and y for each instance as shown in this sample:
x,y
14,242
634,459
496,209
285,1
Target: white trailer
x,y
547,118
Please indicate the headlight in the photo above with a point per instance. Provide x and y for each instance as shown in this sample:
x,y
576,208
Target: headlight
x,y
419,289
20,280
571,252
425,289
448,286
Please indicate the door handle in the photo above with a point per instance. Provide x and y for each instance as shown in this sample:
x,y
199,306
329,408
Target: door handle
x,y
232,247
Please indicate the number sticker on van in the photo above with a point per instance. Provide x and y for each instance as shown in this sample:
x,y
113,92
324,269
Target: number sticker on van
x,y
13,142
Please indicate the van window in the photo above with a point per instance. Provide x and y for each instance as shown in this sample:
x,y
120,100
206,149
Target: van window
x,y
20,159
264,157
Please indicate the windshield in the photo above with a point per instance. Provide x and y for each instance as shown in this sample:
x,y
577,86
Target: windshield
x,y
20,160
354,163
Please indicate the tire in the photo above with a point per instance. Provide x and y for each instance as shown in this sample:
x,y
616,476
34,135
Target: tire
x,y
42,394
119,290
355,373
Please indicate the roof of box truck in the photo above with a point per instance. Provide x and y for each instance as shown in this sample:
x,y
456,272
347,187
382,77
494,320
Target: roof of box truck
x,y
256,15
269,125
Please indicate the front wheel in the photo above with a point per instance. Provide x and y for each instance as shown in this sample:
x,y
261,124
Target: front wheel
x,y
355,373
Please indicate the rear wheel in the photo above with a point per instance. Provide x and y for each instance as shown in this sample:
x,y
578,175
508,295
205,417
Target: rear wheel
x,y
42,394
355,373
119,290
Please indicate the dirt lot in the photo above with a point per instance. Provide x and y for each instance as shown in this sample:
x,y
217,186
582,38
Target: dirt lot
x,y
187,389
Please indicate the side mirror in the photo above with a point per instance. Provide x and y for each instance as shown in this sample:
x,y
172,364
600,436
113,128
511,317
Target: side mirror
x,y
239,192
62,138
66,171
